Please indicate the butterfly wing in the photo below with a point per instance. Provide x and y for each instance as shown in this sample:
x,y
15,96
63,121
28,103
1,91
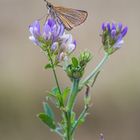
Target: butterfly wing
x,y
70,17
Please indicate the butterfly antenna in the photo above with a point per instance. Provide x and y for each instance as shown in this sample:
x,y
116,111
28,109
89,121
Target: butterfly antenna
x,y
46,2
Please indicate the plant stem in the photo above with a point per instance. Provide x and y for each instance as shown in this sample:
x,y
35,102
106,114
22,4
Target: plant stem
x,y
59,133
70,105
73,94
55,76
82,115
47,53
66,116
93,73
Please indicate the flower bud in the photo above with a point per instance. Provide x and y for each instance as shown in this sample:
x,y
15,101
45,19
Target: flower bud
x,y
74,73
84,58
75,69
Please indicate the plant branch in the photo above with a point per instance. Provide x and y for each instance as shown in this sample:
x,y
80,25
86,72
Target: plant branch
x,y
55,76
82,115
59,133
94,72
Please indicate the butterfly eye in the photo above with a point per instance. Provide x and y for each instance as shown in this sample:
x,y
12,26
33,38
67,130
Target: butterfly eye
x,y
49,5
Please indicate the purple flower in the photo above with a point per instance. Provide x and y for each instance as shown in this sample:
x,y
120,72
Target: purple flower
x,y
52,30
68,45
34,29
112,36
53,37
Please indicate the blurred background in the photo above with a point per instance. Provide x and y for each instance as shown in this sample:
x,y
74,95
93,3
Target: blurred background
x,y
23,81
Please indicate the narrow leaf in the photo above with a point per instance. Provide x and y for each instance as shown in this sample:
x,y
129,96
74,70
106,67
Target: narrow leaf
x,y
54,96
65,93
48,66
47,120
48,111
55,91
74,61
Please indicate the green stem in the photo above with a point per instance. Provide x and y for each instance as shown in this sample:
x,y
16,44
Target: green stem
x,y
56,79
82,115
70,105
68,135
93,73
73,94
57,83
55,76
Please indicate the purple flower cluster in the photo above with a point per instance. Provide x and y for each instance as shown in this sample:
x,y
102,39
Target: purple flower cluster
x,y
54,37
112,36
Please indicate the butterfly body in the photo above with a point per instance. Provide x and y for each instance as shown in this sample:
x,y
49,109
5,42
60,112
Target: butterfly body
x,y
69,17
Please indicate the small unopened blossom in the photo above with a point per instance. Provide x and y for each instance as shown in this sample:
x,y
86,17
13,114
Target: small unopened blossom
x,y
76,68
101,136
112,36
84,58
52,37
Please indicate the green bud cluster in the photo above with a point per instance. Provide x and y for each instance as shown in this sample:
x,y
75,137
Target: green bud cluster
x,y
75,69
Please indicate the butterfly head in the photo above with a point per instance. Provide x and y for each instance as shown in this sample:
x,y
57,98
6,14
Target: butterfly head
x,y
48,4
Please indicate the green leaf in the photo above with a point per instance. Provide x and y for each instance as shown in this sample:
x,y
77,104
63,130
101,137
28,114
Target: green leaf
x,y
48,111
65,93
74,61
48,66
56,95
47,120
55,91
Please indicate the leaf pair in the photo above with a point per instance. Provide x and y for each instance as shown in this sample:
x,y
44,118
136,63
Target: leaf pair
x,y
48,116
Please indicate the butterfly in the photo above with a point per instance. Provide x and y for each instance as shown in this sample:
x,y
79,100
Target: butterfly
x,y
69,17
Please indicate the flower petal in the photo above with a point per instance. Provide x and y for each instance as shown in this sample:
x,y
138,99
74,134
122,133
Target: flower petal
x,y
54,46
113,33
113,26
71,48
119,26
103,26
118,44
124,31
34,40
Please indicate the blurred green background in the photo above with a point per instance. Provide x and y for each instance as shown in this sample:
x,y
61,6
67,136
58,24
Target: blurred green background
x,y
23,81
